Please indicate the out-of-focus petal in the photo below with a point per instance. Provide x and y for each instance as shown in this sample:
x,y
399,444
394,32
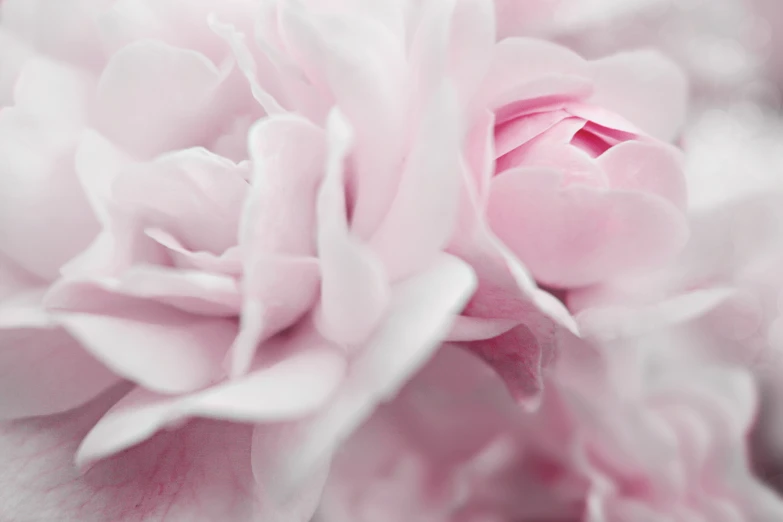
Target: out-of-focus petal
x,y
644,87
422,310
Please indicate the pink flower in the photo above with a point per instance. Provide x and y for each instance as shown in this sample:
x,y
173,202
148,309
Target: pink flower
x,y
572,180
293,286
580,194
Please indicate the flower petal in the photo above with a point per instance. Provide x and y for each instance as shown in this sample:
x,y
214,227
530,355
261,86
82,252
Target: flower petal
x,y
162,348
354,287
199,473
37,143
360,63
290,389
423,214
45,371
644,87
422,311
153,97
646,167
579,235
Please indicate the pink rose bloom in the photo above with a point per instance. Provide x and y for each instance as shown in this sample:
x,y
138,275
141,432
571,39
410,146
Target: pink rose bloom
x,y
264,273
573,180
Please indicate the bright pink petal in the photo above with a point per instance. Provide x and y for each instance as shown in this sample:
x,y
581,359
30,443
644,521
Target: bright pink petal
x,y
160,347
199,473
645,88
647,167
422,311
517,132
579,235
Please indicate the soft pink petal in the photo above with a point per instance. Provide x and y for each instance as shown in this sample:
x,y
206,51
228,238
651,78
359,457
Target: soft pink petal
x,y
517,132
99,163
521,17
409,459
643,87
199,473
191,291
480,161
521,64
422,310
288,165
37,143
229,262
289,389
277,291
421,219
472,41
153,97
647,167
360,64
519,357
160,347
553,149
579,235
45,371
193,193
354,287
277,231
247,64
